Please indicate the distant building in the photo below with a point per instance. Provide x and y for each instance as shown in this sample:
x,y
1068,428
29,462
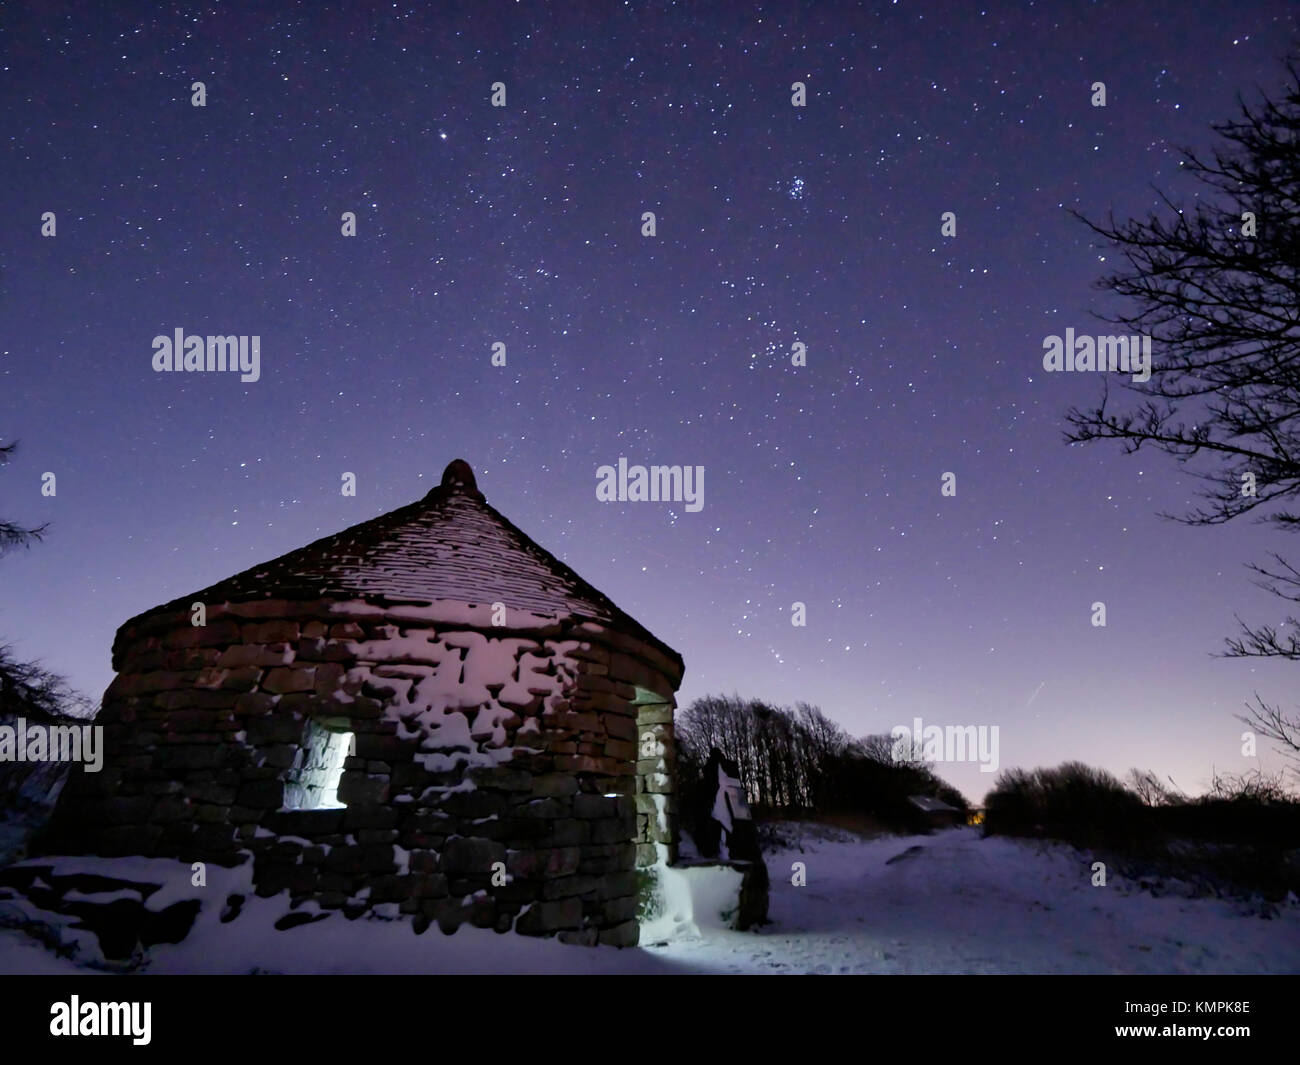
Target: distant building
x,y
938,814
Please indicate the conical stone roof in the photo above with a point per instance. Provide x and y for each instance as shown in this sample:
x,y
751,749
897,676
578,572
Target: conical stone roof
x,y
451,545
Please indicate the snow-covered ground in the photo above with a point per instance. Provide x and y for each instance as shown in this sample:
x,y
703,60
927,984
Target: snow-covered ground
x,y
950,902
962,904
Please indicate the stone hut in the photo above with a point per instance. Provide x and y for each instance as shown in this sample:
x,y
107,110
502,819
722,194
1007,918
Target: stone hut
x,y
425,714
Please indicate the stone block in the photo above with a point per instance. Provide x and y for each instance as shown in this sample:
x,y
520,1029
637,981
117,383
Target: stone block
x,y
626,934
190,720
594,806
170,808
658,783
145,683
632,671
187,757
362,789
216,633
429,886
547,862
421,861
254,704
589,682
554,784
616,885
621,728
381,746
604,703
214,837
241,680
569,832
574,722
363,709
346,859
585,764
609,858
283,679
476,805
322,650
505,779
654,714
265,608
270,632
565,887
613,830
471,855
623,750
279,755
544,918
207,813
171,701
356,818
544,809
376,835
265,794
621,909
244,654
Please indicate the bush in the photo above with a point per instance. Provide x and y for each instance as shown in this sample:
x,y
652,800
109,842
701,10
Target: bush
x,y
1072,802
1242,839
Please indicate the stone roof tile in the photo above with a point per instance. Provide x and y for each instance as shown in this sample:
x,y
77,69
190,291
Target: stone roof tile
x,y
451,545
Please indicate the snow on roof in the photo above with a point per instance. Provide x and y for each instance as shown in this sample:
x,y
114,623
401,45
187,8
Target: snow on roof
x,y
451,545
930,804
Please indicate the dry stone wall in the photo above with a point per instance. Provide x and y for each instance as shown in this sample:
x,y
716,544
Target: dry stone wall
x,y
504,778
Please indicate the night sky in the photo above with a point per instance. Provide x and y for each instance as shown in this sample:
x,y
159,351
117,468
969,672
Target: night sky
x,y
522,224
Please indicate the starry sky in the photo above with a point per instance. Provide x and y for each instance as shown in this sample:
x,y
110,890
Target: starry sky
x,y
523,224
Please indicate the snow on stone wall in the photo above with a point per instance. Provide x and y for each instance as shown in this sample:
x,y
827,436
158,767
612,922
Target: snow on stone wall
x,y
519,773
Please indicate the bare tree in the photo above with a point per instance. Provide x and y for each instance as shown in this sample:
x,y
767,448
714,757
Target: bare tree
x,y
27,687
879,748
783,755
1273,723
1217,288
12,534
1254,786
1152,790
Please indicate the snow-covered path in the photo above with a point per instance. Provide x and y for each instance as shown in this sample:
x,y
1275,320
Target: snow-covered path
x,y
950,902
956,903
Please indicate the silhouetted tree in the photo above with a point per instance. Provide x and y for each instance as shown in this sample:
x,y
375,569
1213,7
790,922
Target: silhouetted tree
x,y
26,688
12,534
1152,790
1217,287
796,761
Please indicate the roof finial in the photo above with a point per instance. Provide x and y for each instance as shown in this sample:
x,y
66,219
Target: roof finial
x,y
458,473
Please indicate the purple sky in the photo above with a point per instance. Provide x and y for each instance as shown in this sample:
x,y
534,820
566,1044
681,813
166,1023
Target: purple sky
x,y
522,224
